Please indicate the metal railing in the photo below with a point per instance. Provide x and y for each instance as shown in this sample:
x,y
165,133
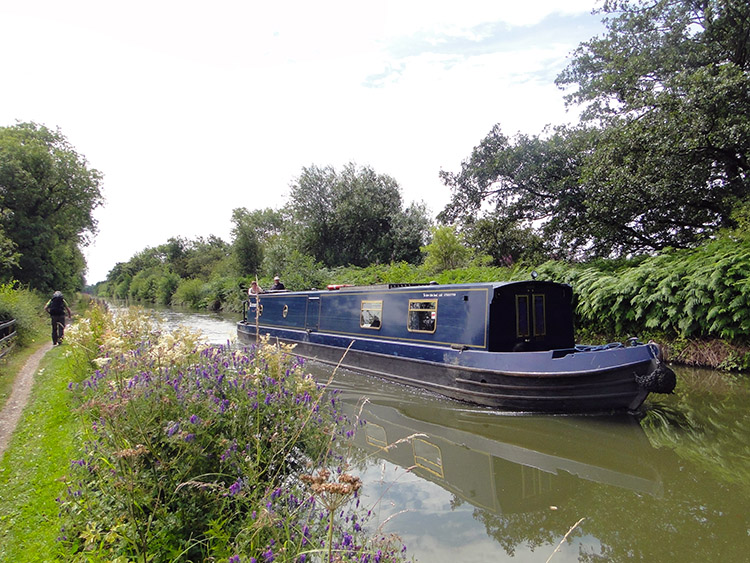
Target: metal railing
x,y
7,336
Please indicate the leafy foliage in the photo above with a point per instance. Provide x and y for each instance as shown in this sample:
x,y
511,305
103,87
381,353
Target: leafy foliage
x,y
354,217
670,84
663,156
447,251
23,305
48,195
686,294
251,230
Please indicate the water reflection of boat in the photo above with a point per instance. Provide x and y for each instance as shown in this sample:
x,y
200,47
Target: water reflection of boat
x,y
499,463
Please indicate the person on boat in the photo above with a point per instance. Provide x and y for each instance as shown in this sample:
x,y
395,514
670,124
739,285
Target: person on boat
x,y
57,307
277,285
254,289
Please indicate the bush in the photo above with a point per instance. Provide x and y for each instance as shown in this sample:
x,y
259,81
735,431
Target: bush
x,y
701,293
23,305
165,288
197,453
189,293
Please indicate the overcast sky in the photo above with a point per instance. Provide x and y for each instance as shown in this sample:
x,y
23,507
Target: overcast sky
x,y
192,109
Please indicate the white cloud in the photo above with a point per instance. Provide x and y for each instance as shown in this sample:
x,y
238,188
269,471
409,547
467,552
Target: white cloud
x,y
193,109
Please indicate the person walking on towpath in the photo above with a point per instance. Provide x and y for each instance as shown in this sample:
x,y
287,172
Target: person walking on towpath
x,y
57,307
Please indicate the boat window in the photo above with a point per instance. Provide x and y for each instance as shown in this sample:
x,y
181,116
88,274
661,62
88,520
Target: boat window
x,y
534,482
522,316
540,315
285,311
428,456
422,316
371,314
375,435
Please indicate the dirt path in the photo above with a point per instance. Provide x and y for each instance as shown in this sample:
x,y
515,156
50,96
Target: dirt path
x,y
11,413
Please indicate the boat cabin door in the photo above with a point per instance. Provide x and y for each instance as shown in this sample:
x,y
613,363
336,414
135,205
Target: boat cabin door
x,y
312,317
531,316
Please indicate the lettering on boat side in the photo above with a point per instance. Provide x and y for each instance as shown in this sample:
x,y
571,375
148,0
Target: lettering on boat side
x,y
438,295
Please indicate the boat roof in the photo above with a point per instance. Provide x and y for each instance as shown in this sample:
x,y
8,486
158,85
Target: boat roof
x,y
426,286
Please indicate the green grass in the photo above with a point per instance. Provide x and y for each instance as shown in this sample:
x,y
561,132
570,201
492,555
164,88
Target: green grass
x,y
30,471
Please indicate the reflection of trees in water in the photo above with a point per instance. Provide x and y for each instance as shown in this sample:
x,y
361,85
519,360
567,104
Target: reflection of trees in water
x,y
531,529
695,520
691,522
701,440
708,424
696,456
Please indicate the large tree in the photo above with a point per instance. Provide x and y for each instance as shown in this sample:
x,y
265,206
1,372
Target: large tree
x,y
662,157
516,188
355,217
252,230
48,195
670,85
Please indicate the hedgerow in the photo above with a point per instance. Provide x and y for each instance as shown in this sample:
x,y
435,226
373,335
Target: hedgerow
x,y
24,306
702,293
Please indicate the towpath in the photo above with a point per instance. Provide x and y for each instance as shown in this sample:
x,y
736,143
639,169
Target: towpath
x,y
19,396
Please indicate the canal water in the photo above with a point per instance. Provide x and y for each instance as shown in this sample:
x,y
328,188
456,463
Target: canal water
x,y
459,483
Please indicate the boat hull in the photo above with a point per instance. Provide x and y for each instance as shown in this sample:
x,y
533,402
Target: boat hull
x,y
553,381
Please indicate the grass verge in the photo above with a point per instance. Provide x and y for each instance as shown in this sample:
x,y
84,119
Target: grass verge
x,y
37,458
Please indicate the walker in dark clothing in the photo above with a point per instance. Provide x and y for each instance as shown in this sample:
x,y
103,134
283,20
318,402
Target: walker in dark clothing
x,y
57,307
58,328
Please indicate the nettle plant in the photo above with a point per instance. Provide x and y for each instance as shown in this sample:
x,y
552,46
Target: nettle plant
x,y
203,453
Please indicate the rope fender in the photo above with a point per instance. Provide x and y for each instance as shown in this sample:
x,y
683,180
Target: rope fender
x,y
661,380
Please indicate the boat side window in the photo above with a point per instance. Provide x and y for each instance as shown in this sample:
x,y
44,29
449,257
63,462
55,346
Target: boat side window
x,y
371,314
540,315
422,315
522,316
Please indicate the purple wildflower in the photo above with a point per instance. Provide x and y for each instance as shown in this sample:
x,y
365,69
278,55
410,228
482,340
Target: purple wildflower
x,y
235,487
173,428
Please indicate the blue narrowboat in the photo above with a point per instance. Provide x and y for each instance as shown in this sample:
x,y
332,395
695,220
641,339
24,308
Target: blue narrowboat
x,y
505,345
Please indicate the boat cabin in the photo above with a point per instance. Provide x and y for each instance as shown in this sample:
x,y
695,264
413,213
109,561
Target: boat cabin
x,y
496,317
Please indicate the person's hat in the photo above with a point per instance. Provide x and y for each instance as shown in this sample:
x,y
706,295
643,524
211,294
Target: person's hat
x,y
276,278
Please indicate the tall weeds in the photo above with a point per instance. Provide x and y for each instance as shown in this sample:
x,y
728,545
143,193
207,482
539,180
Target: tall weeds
x,y
197,453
